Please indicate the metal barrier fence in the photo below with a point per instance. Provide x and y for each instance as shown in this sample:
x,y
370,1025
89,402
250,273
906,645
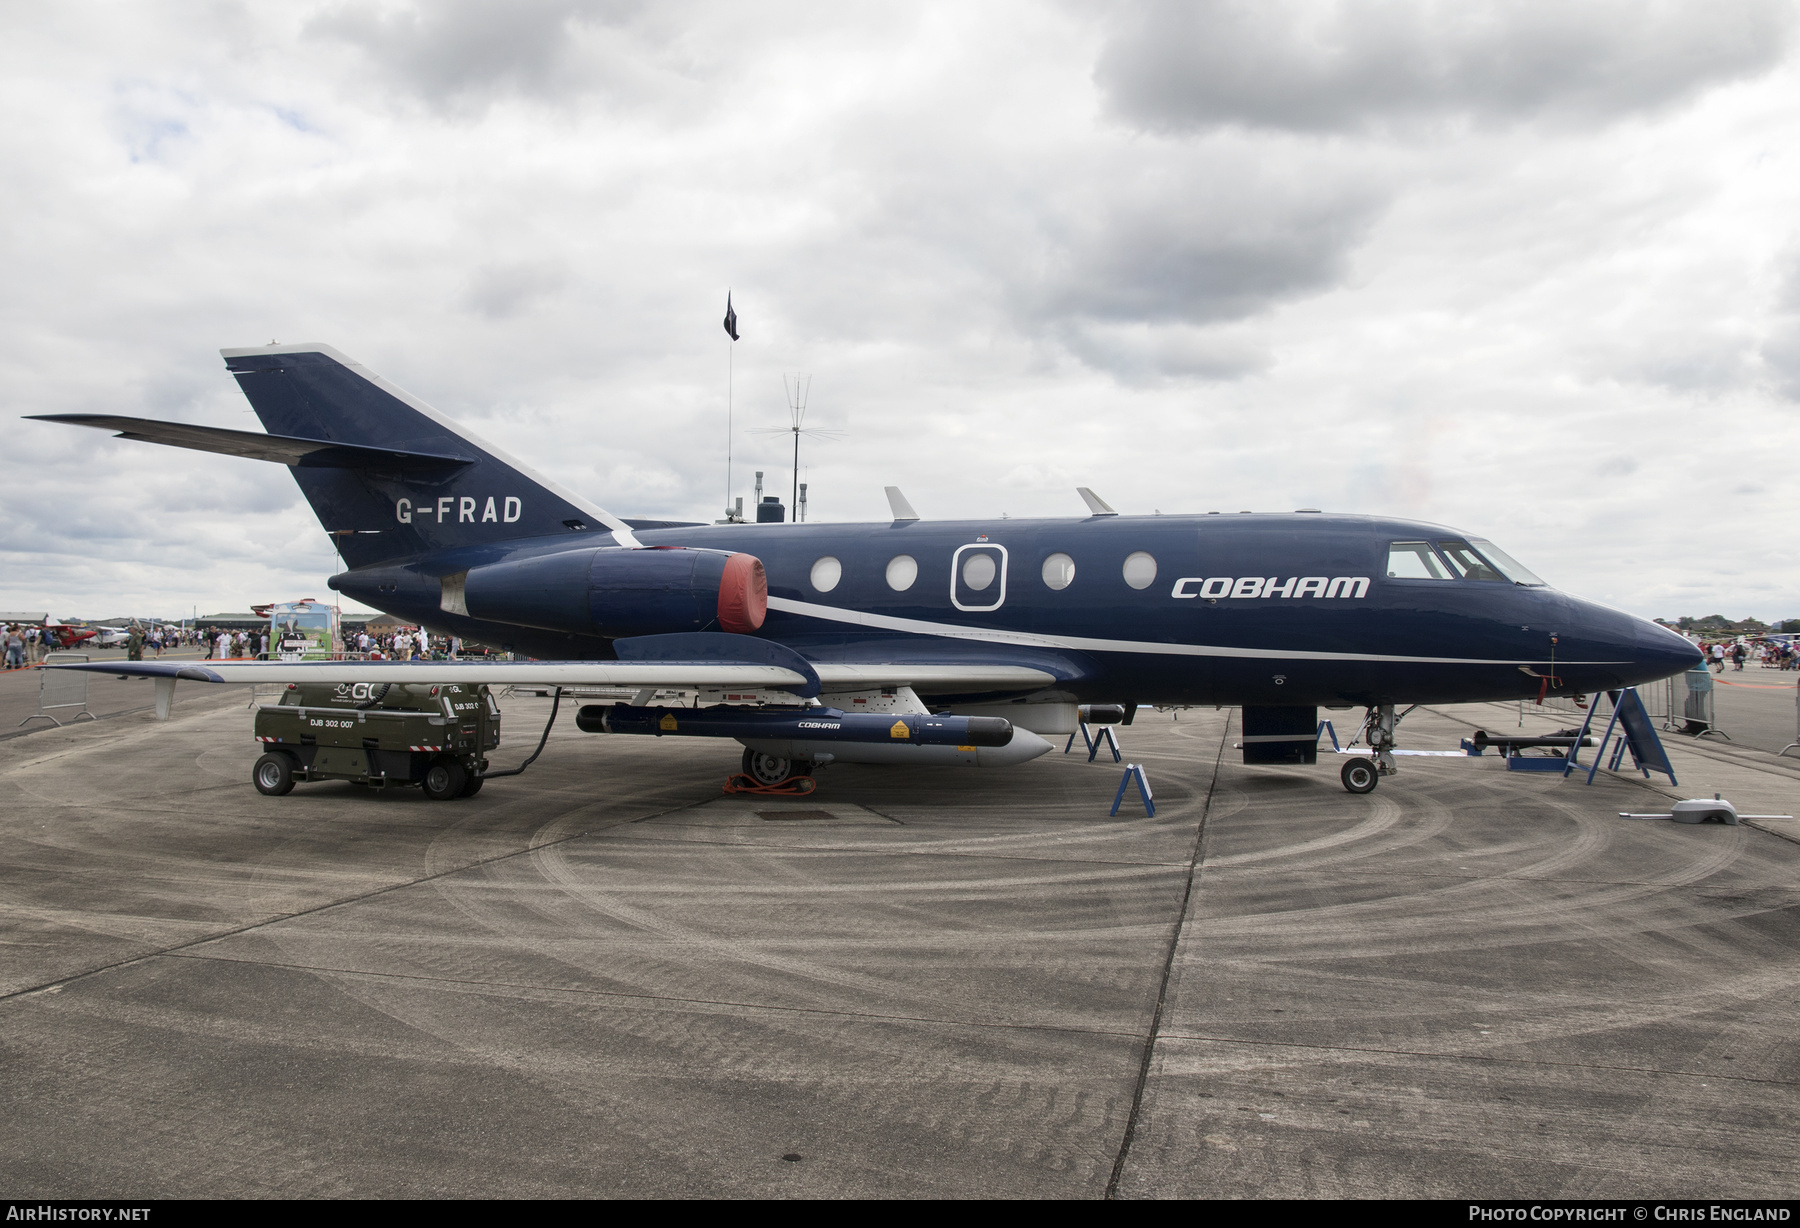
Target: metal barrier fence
x,y
1691,704
1671,703
1796,742
61,688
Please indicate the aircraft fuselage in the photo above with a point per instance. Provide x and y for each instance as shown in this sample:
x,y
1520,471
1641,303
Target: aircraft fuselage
x,y
1258,609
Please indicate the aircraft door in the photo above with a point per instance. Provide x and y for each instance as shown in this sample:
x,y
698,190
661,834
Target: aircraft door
x,y
978,577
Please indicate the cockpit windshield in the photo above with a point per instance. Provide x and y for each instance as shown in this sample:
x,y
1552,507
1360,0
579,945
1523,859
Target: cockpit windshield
x,y
1415,561
1468,564
1508,566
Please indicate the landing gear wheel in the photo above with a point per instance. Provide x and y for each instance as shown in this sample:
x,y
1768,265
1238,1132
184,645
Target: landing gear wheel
x,y
1360,776
772,769
273,774
473,787
444,779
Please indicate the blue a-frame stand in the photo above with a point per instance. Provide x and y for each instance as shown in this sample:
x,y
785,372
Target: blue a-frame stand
x,y
1105,737
1135,771
1636,734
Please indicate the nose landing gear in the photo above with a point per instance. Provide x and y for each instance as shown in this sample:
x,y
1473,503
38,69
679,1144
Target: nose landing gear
x,y
1362,775
1359,776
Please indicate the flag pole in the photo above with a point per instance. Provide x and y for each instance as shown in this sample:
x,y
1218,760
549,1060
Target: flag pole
x,y
730,377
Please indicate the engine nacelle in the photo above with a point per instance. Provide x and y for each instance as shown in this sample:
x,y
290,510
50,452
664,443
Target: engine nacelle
x,y
617,592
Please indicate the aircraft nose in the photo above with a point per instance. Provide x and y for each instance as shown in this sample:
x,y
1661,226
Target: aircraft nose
x,y
1657,652
1636,649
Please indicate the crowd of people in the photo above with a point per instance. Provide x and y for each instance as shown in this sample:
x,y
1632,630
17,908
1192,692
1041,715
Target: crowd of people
x,y
23,645
20,645
1770,654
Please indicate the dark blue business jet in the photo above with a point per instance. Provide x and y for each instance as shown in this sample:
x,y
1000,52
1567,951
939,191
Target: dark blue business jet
x,y
910,641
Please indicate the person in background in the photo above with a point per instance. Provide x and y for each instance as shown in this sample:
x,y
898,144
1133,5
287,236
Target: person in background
x,y
134,643
15,647
1738,653
1718,658
455,647
31,645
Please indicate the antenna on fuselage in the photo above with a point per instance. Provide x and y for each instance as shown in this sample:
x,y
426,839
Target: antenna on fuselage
x,y
1095,504
897,501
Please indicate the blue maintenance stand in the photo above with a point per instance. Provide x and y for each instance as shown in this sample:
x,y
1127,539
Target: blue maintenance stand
x,y
1105,737
1636,734
1135,771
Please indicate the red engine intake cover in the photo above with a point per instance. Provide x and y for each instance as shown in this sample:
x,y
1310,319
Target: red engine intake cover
x,y
743,594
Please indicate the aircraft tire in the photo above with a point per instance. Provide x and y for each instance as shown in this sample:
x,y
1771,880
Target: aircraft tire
x,y
1359,776
444,780
772,769
273,774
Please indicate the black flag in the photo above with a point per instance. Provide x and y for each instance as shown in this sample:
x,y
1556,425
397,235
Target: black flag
x,y
730,317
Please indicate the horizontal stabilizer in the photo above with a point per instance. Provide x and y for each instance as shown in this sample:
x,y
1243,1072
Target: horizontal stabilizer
x,y
254,445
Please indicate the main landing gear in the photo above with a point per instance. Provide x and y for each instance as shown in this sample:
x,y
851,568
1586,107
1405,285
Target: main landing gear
x,y
1361,775
772,769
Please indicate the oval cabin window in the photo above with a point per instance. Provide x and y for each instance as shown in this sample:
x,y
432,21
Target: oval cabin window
x,y
826,573
1140,569
978,571
1059,571
902,570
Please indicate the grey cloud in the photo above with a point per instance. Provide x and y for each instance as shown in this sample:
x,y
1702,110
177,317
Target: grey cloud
x,y
1205,256
502,291
1326,65
1138,354
1781,346
453,51
1137,276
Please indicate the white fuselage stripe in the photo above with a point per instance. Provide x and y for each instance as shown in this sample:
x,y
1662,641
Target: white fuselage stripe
x,y
915,626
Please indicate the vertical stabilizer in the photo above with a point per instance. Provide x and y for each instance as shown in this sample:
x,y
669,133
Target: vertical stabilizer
x,y
313,392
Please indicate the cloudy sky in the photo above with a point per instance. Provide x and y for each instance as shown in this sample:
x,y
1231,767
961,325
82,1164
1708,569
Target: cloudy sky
x,y
1529,269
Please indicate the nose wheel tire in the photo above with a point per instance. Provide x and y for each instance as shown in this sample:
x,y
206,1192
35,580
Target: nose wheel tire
x,y
273,775
1359,776
767,769
444,779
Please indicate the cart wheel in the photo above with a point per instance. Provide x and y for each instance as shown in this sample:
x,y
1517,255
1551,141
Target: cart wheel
x,y
444,779
273,774
1359,776
473,787
772,769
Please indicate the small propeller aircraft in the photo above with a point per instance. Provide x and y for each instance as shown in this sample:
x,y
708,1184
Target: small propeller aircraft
x,y
902,641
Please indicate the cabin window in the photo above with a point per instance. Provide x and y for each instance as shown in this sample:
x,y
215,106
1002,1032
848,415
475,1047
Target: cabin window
x,y
902,570
1140,569
1059,571
978,571
1468,564
826,573
1415,561
1506,564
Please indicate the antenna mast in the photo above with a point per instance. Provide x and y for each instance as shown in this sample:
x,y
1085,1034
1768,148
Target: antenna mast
x,y
797,390
798,387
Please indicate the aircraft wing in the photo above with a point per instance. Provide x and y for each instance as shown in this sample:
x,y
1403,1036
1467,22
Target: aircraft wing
x,y
803,681
282,449
659,674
